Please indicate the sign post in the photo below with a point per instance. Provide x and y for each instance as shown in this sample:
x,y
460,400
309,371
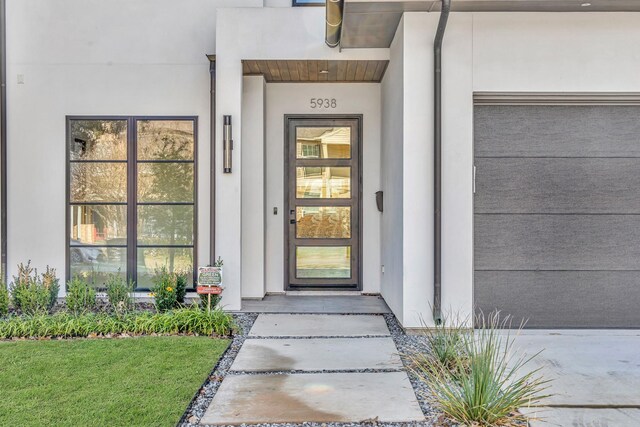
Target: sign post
x,y
209,283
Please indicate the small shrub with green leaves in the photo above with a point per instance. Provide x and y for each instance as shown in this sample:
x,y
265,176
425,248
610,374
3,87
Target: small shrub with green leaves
x,y
487,382
4,299
33,293
120,293
165,295
80,296
181,286
188,320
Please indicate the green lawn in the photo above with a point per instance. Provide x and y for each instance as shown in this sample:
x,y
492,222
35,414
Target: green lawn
x,y
146,381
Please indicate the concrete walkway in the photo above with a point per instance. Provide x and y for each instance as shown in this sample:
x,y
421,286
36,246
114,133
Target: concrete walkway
x,y
595,376
296,368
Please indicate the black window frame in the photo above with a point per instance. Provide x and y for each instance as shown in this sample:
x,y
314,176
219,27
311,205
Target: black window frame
x,y
132,202
297,3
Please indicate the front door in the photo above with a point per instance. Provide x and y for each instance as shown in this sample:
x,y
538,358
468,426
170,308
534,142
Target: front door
x,y
322,193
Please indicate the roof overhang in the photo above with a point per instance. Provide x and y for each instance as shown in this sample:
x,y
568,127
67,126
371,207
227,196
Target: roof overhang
x,y
372,24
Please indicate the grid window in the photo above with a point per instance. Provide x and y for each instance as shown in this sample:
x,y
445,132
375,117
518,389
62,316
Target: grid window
x,y
131,197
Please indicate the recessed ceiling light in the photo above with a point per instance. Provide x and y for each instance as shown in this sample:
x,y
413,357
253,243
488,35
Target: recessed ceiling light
x,y
324,71
585,4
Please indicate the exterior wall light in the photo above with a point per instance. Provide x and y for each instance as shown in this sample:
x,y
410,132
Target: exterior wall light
x,y
227,145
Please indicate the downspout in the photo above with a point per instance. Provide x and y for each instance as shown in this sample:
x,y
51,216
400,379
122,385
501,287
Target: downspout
x,y
437,162
212,190
3,139
333,22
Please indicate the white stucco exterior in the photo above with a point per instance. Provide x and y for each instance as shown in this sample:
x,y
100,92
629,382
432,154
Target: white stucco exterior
x,y
147,57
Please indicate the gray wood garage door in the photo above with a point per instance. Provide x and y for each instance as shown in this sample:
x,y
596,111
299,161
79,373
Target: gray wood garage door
x,y
557,214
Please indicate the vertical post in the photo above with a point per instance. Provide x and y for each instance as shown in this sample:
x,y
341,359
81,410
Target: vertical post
x,y
212,191
3,139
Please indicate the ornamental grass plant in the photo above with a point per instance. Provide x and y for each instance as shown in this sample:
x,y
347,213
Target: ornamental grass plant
x,y
481,380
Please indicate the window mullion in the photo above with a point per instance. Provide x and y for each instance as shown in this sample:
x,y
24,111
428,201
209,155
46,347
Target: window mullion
x,y
131,199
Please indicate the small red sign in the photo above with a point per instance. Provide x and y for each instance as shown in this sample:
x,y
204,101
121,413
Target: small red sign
x,y
209,290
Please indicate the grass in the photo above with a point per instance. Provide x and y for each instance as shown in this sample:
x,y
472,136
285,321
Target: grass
x,y
145,381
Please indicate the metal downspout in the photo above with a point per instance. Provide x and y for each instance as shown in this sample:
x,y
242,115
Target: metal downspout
x,y
3,139
212,192
437,162
333,22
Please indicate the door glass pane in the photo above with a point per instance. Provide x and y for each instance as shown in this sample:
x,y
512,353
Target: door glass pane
x,y
165,225
98,182
96,264
323,142
165,139
175,259
165,182
323,222
98,225
323,262
323,182
98,140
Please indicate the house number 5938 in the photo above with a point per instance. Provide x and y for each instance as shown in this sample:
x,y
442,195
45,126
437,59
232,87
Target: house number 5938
x,y
323,103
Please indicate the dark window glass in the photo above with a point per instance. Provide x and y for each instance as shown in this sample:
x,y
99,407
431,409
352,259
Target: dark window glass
x,y
308,2
116,228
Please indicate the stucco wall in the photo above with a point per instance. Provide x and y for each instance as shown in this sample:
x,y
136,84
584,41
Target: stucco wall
x,y
391,175
96,57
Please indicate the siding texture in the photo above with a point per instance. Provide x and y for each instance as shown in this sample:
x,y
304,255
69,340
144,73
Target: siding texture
x,y
557,214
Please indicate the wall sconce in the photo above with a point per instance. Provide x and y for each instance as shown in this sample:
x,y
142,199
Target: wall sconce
x,y
227,145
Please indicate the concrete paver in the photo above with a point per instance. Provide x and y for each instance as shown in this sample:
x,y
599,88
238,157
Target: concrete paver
x,y
314,325
583,417
317,354
326,397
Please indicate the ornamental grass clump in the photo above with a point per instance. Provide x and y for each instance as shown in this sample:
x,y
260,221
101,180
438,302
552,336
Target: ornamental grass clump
x,y
120,293
487,383
33,293
80,296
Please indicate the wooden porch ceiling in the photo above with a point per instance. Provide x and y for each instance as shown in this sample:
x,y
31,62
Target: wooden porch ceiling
x,y
316,71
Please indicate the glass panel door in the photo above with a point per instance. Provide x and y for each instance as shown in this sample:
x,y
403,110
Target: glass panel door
x,y
323,193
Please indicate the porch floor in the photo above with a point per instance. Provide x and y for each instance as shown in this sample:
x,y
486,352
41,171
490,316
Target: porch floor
x,y
351,304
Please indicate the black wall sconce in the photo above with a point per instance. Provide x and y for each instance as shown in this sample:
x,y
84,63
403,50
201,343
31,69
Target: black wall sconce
x,y
380,200
227,145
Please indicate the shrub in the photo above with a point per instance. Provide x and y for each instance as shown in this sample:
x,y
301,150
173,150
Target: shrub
x,y
165,290
189,320
486,384
181,286
4,300
119,294
80,296
204,301
32,293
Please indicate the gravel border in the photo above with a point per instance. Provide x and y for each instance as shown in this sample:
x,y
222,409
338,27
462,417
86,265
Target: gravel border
x,y
404,343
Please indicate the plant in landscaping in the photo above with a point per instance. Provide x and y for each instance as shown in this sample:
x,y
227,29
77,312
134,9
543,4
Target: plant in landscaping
x,y
165,293
32,293
204,301
119,293
4,299
181,286
191,320
487,382
447,342
80,296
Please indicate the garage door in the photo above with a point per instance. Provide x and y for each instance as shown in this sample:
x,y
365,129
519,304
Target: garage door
x,y
557,214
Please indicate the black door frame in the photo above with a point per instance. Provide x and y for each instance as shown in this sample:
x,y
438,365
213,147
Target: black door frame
x,y
287,119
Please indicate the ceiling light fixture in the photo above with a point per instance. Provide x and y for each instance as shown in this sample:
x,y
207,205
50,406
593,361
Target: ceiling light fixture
x,y
324,71
585,4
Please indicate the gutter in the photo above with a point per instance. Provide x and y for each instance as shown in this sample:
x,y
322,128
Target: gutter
x,y
333,22
437,161
3,139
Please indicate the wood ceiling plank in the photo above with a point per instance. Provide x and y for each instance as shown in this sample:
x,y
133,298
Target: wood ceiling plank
x,y
333,71
253,66
370,71
380,68
264,69
351,71
323,65
293,71
275,72
303,69
313,70
361,68
342,71
284,70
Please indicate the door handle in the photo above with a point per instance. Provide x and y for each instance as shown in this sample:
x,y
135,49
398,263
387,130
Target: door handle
x,y
292,221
